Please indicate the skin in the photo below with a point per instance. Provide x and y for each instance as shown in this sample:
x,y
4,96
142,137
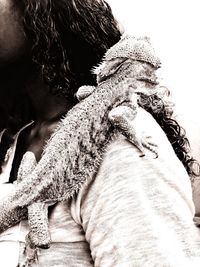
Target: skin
x,y
12,38
17,71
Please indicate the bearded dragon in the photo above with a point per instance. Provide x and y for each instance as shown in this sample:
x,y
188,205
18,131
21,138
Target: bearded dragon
x,y
75,150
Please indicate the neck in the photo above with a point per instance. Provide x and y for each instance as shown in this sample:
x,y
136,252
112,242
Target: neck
x,y
19,85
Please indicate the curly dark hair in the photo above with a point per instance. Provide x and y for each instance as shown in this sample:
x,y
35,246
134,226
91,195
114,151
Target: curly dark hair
x,y
68,38
163,113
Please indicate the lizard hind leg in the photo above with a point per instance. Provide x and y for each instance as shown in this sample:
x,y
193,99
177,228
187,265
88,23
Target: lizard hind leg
x,y
38,236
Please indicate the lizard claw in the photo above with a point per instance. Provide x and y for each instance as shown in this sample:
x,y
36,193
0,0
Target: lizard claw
x,y
31,255
151,146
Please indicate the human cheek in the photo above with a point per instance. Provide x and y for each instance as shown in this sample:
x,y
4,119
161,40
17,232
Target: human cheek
x,y
12,38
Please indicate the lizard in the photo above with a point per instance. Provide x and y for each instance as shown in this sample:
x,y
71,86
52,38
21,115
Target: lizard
x,y
121,116
83,134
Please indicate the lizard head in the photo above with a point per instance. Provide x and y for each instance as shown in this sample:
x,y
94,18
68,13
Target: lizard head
x,y
127,48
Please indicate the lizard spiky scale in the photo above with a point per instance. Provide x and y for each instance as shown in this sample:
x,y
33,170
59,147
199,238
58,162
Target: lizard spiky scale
x,y
76,148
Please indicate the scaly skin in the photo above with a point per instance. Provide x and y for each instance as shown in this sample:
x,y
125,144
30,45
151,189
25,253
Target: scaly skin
x,y
80,137
122,117
76,148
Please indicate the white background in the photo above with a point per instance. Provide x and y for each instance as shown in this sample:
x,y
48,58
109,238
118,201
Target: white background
x,y
174,29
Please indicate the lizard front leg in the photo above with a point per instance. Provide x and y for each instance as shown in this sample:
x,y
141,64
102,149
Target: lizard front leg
x,y
123,117
84,91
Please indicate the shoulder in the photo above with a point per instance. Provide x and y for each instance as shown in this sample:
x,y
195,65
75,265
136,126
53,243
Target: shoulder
x,y
122,152
122,164
123,174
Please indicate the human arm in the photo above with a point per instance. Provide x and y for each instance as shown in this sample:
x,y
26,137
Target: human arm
x,y
133,202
